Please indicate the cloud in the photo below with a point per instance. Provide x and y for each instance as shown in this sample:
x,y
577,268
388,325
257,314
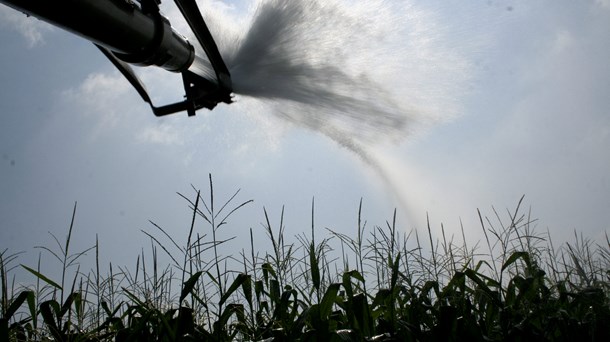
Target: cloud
x,y
538,126
550,139
563,41
163,134
605,4
103,98
30,28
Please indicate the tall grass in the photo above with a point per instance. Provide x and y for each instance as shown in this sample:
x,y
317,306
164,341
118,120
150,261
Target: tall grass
x,y
380,283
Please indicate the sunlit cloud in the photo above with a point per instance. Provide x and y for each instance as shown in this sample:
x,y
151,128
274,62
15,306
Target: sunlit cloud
x,y
103,98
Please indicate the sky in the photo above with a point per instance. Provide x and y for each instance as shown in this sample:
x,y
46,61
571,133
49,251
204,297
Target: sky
x,y
510,99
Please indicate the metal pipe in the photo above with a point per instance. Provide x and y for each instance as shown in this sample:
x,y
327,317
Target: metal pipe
x,y
120,26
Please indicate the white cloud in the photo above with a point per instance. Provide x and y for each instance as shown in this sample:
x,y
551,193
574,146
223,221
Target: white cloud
x,y
30,28
163,134
104,98
563,40
605,4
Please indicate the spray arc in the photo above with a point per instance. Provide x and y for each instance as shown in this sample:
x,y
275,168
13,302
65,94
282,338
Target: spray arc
x,y
130,33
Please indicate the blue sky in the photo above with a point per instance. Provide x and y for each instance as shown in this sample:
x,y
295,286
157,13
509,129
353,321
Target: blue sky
x,y
513,98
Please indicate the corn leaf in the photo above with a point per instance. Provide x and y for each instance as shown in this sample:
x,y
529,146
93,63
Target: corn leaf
x,y
189,285
42,277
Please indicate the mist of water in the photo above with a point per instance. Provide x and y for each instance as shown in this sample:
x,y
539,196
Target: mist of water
x,y
361,72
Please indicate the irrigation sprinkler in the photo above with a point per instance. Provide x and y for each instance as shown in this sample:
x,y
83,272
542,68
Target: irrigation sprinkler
x,y
136,33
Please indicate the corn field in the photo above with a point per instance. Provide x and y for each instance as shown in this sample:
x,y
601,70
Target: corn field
x,y
378,284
